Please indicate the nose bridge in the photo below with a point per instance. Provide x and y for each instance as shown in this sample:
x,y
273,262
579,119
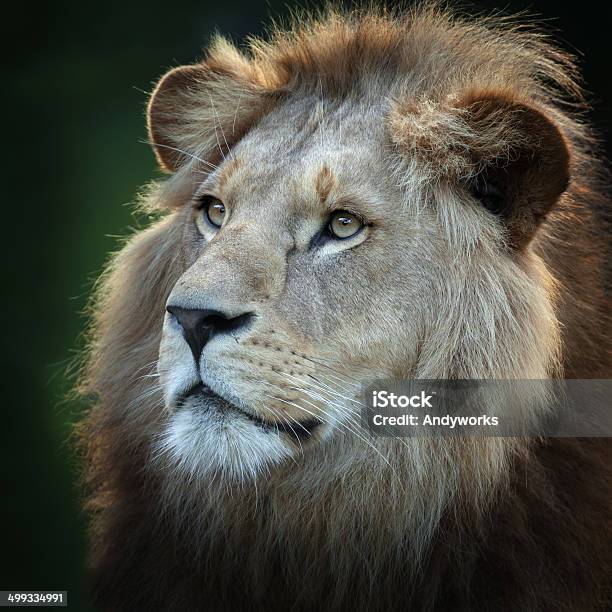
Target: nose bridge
x,y
242,267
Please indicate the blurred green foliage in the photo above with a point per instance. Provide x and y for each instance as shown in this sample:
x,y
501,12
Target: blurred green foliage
x,y
73,144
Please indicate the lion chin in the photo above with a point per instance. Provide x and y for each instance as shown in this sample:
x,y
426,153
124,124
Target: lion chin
x,y
365,197
211,437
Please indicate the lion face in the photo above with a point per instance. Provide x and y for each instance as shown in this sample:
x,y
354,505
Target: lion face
x,y
339,227
290,301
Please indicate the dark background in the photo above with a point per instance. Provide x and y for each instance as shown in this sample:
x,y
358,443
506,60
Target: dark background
x,y
74,80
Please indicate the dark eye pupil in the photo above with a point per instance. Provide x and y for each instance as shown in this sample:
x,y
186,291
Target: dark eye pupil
x,y
215,210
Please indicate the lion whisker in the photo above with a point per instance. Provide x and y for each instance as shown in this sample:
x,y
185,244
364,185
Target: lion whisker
x,y
217,120
342,424
182,151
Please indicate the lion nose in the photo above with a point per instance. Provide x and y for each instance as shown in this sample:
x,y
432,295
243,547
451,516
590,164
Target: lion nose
x,y
199,326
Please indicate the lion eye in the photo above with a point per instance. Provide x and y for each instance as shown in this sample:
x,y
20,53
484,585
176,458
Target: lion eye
x,y
344,224
215,211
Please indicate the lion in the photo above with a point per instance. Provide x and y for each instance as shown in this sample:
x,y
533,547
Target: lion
x,y
364,195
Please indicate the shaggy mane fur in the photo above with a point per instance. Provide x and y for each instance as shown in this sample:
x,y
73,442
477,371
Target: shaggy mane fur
x,y
489,524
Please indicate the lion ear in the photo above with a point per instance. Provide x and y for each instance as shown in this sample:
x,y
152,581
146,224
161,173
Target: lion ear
x,y
509,154
202,110
170,115
521,162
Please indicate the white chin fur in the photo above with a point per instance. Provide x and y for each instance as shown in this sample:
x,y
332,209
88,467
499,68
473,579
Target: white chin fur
x,y
207,444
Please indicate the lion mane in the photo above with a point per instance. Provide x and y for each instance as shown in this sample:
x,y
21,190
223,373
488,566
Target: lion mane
x,y
501,524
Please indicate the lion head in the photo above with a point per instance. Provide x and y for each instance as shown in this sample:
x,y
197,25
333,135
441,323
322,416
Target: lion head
x,y
363,197
343,219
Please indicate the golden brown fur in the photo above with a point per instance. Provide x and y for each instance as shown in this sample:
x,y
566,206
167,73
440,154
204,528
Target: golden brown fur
x,y
433,524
